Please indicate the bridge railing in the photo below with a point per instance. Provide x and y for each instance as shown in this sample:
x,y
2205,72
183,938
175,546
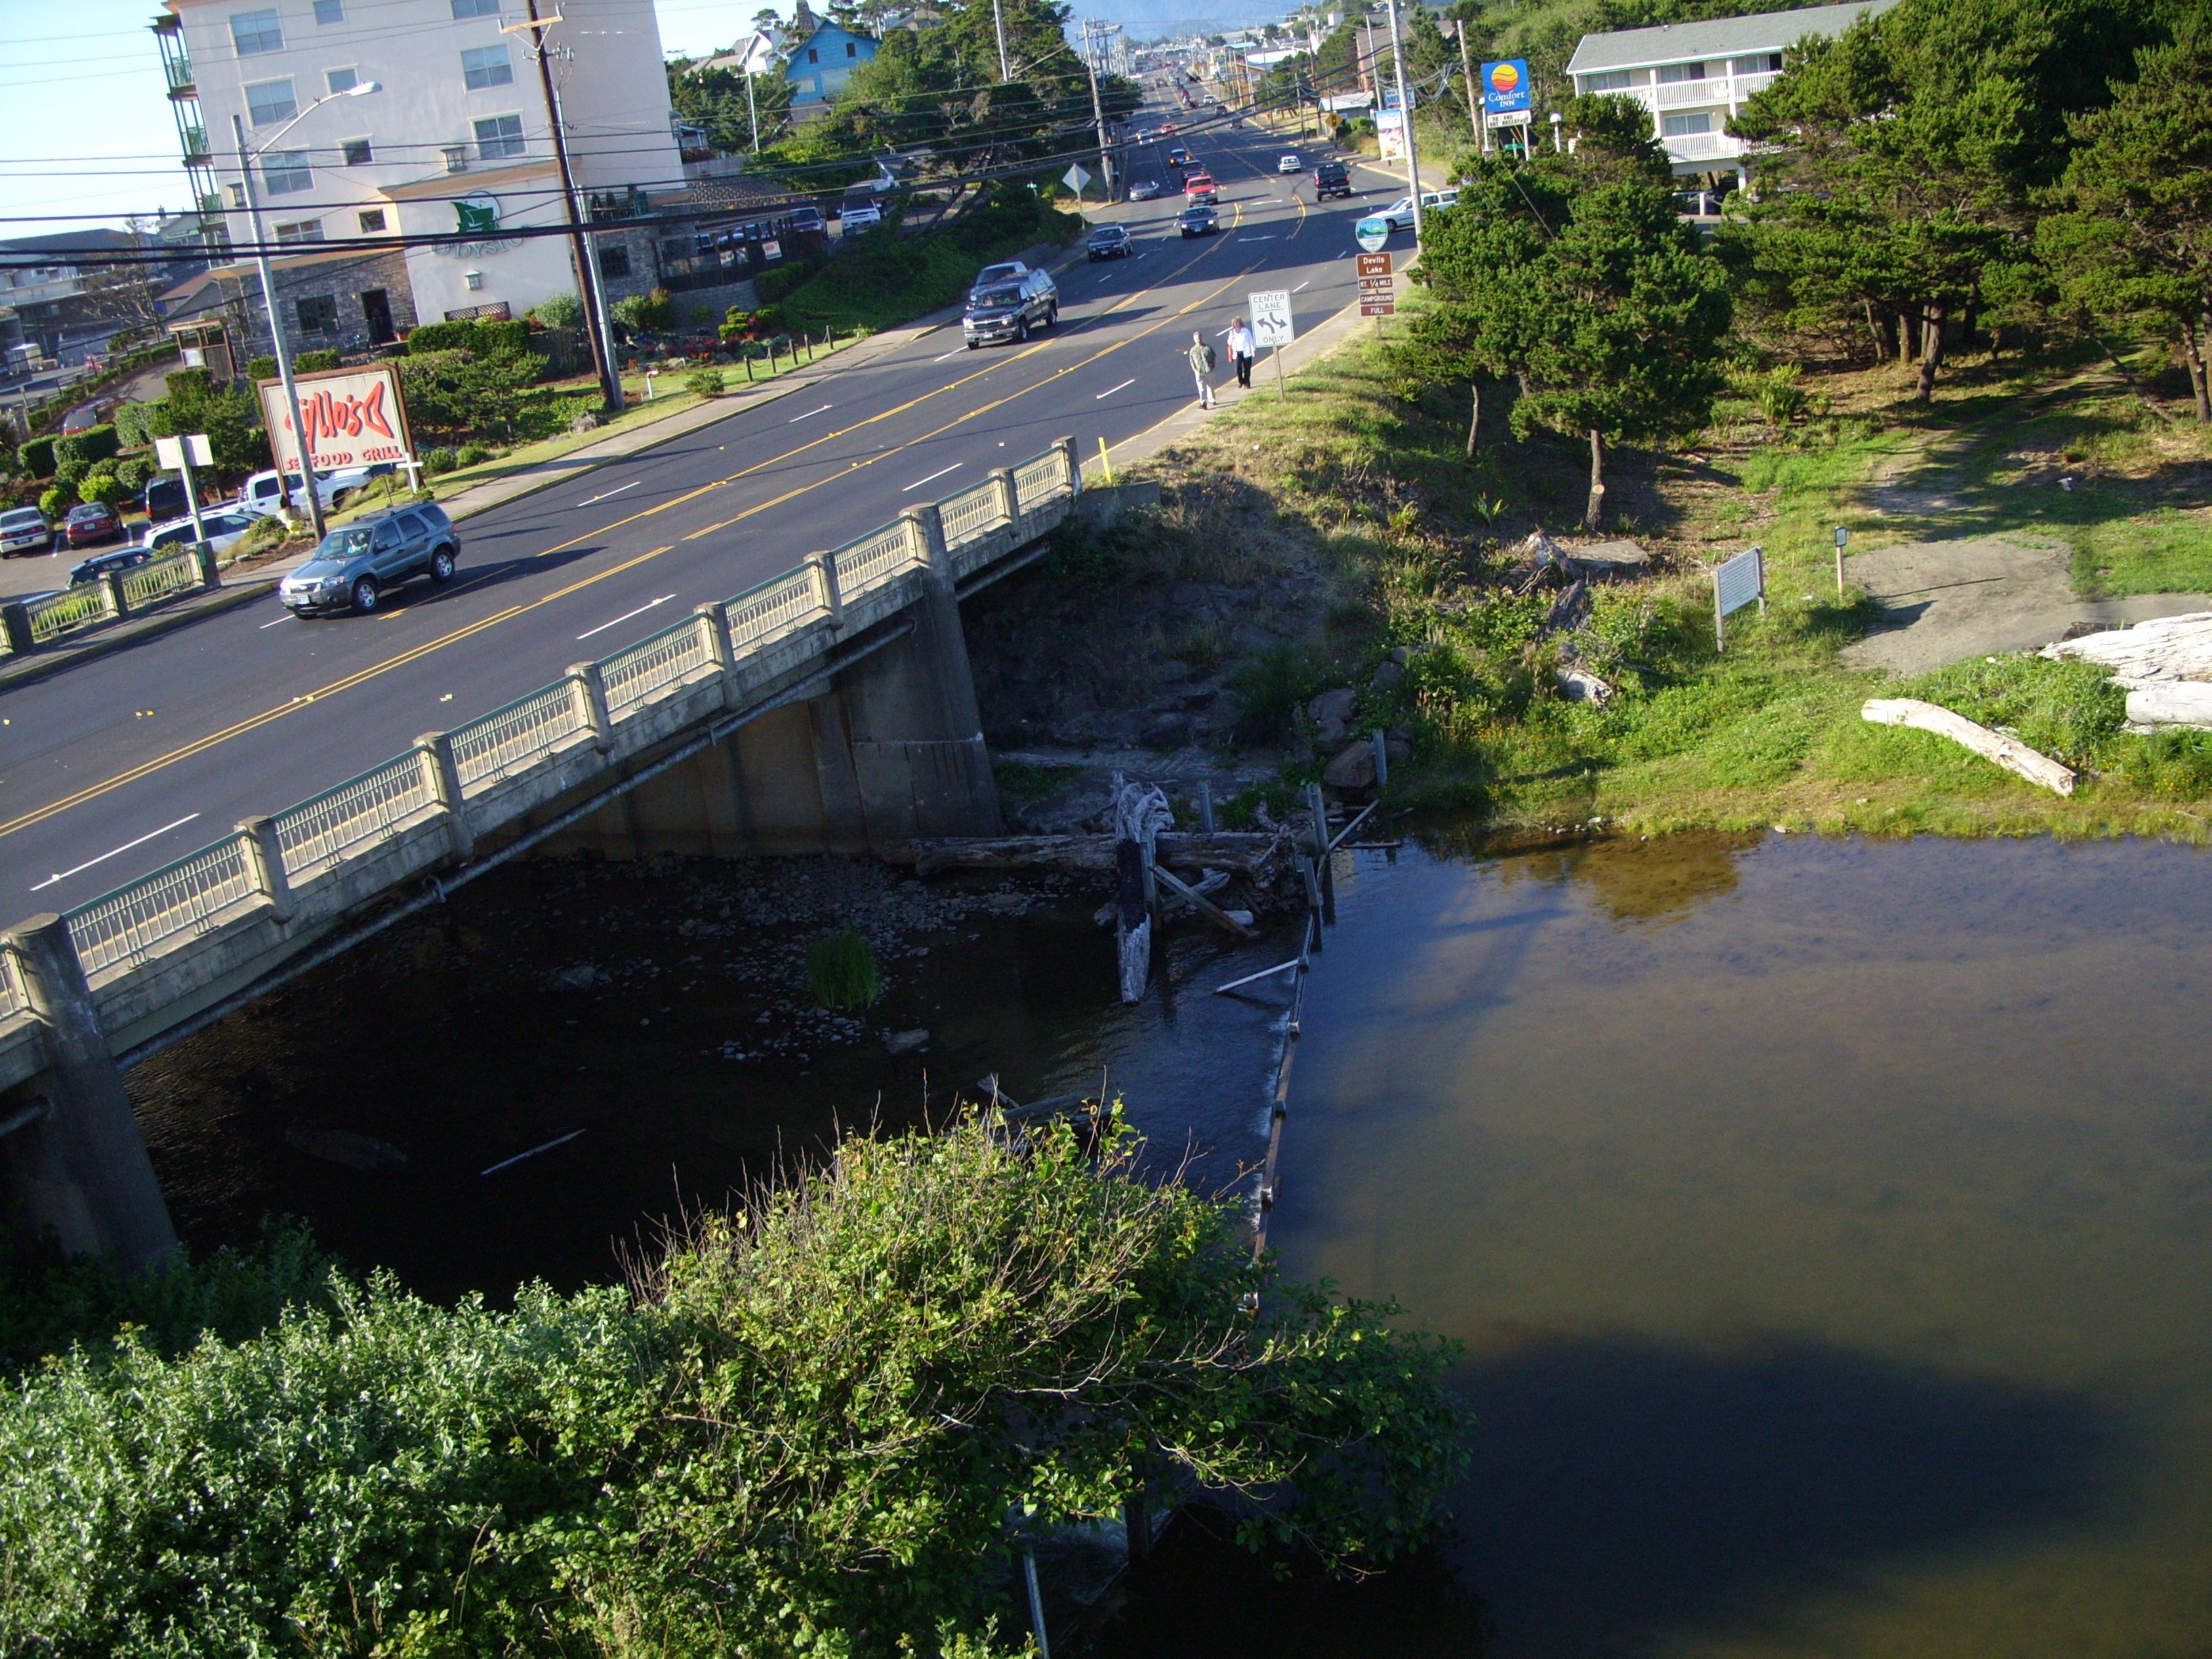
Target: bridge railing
x,y
755,636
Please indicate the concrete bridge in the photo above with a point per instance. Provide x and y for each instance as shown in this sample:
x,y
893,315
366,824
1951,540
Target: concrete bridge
x,y
828,708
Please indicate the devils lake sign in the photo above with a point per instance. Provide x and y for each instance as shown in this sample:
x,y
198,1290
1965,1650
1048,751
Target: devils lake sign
x,y
353,418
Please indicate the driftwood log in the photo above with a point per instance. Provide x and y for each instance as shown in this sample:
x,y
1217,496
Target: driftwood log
x,y
2168,702
1244,853
2008,752
2163,648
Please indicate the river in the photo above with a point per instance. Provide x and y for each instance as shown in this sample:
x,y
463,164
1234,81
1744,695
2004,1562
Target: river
x,y
1826,1221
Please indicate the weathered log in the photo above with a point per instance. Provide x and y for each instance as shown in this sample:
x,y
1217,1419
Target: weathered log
x,y
2163,648
2168,702
2008,752
1243,853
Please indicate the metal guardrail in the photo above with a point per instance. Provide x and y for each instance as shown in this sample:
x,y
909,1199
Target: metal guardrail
x,y
63,613
742,634
159,579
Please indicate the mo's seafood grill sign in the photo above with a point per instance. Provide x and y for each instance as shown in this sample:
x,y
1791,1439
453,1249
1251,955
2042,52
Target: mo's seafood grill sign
x,y
353,418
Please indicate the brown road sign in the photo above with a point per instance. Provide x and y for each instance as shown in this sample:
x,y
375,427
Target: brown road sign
x,y
1374,264
1378,307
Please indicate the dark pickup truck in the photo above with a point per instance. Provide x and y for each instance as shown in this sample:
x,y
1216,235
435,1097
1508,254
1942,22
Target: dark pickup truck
x,y
1332,178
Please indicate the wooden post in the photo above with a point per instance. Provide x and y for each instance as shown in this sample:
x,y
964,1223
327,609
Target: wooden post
x,y
1206,807
1843,536
1133,932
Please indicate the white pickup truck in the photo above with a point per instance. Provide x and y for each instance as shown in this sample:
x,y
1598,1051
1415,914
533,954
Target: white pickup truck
x,y
261,493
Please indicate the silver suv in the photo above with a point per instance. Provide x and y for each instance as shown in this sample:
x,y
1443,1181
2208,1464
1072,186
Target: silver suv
x,y
352,566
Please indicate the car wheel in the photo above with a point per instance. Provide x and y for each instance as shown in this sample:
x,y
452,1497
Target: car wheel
x,y
1021,330
365,595
1052,317
975,345
441,565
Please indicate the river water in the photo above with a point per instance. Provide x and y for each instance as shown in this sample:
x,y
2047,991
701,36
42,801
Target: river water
x,y
1826,1221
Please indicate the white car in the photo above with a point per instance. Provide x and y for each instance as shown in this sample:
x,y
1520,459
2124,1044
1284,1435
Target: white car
x,y
1399,215
25,530
862,218
1289,164
223,524
333,484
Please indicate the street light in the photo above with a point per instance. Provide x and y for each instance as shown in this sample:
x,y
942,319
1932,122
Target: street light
x,y
245,159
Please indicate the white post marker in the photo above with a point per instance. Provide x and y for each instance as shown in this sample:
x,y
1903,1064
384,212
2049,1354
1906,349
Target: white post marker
x,y
1740,582
1272,327
1843,539
183,453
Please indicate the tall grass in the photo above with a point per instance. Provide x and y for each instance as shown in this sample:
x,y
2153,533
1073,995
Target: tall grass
x,y
841,971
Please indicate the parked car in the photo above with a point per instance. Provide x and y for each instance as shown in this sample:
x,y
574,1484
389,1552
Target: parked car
x,y
1332,178
1399,215
805,218
1144,190
165,497
1289,164
223,525
1199,220
107,564
333,484
864,216
352,568
25,530
1009,310
85,416
1109,242
89,523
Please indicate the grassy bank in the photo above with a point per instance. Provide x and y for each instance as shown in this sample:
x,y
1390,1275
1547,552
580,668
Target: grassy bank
x,y
1363,477
886,281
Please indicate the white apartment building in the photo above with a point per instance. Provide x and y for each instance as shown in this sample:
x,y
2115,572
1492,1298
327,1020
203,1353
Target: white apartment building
x,y
456,139
1694,76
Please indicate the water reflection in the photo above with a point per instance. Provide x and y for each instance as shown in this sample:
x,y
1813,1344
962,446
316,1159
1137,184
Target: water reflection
x,y
1833,1256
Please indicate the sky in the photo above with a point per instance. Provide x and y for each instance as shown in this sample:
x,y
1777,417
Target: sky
x,y
87,137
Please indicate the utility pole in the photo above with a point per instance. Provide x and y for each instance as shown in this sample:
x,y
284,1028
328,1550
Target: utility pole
x,y
1474,104
752,111
999,22
1406,118
276,344
1098,109
587,275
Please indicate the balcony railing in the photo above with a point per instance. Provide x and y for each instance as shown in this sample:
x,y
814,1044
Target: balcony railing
x,y
1702,146
195,141
178,71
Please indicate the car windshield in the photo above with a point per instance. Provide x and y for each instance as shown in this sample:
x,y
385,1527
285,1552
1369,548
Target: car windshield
x,y
89,510
20,518
998,297
342,544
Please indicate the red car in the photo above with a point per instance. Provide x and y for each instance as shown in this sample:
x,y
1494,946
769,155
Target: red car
x,y
91,524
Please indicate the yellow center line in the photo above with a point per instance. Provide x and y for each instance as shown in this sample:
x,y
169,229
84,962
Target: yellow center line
x,y
199,745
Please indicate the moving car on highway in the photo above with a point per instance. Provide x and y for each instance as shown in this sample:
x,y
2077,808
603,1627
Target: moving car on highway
x,y
1178,157
1109,242
1289,164
1144,190
352,567
1399,215
1009,310
1197,219
90,524
1332,178
25,530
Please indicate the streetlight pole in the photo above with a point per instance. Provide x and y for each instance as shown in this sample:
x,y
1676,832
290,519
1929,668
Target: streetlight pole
x,y
587,275
245,160
1406,118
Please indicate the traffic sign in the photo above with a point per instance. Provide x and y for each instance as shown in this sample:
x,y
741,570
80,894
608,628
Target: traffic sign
x,y
1374,264
1381,307
1271,318
1373,234
1075,177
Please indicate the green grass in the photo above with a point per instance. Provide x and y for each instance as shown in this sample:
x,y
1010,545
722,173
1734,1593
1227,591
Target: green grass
x,y
841,971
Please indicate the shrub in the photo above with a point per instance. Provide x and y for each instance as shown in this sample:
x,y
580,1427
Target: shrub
x,y
841,971
57,499
131,431
559,311
705,382
37,457
470,454
307,363
72,472
93,445
261,369
439,461
136,471
486,336
106,488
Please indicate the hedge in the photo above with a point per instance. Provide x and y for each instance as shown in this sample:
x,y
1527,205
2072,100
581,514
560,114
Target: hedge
x,y
131,427
486,336
38,457
308,363
94,444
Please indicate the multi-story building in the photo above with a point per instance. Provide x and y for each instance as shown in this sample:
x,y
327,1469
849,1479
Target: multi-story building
x,y
1694,76
456,140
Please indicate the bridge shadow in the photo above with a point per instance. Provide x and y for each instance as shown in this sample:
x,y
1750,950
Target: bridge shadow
x,y
1625,1490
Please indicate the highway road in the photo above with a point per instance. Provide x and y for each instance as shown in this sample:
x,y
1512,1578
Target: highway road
x,y
115,768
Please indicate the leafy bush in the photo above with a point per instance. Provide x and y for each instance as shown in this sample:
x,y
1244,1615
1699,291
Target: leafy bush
x,y
456,395
470,454
841,971
647,313
775,284
57,499
487,336
705,382
106,488
72,472
801,1434
439,461
94,444
231,420
130,429
37,457
261,369
1270,690
309,362
136,471
558,310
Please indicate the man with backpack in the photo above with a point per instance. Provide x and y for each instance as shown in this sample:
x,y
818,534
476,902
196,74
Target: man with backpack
x,y
1200,357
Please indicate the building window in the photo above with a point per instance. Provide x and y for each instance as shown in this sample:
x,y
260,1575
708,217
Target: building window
x,y
237,195
371,220
614,261
498,135
330,11
1670,73
317,313
1765,62
358,152
457,158
1610,81
486,66
475,8
852,51
812,56
341,79
1682,126
255,31
285,172
268,103
475,281
304,230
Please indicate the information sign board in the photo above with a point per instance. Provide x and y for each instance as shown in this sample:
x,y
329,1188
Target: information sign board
x,y
354,417
1271,318
1505,85
1739,582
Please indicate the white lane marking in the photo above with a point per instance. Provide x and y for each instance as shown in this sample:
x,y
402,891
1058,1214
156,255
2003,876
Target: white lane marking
x,y
1256,239
65,874
279,622
626,615
612,494
955,352
1304,286
809,414
933,476
1111,390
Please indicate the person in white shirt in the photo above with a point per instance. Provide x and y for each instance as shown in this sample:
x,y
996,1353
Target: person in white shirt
x,y
1242,347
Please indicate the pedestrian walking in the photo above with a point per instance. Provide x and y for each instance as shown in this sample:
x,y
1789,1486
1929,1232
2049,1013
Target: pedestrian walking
x,y
1201,360
1242,347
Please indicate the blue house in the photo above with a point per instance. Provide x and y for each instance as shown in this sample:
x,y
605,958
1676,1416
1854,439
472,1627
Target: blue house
x,y
821,64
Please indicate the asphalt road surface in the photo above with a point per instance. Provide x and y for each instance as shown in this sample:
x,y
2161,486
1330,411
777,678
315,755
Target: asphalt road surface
x,y
110,769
